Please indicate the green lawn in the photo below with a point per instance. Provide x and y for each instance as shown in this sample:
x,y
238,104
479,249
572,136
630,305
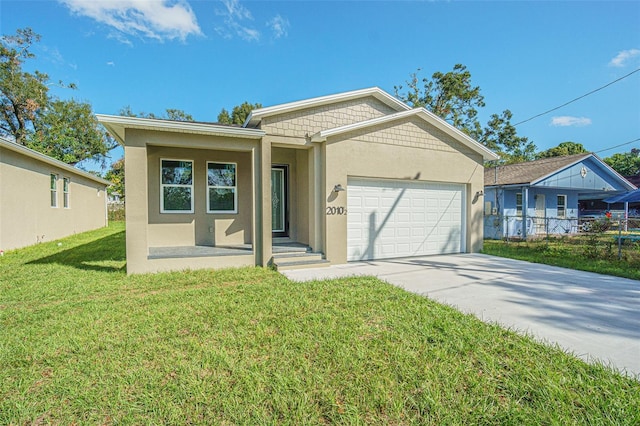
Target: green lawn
x,y
82,343
593,253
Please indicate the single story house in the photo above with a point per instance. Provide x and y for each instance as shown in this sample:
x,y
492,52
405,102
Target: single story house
x,y
546,195
351,176
43,199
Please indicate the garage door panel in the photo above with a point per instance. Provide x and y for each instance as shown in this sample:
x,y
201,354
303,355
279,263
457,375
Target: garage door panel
x,y
388,219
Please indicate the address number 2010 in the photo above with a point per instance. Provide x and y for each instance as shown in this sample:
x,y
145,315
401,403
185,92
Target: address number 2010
x,y
336,211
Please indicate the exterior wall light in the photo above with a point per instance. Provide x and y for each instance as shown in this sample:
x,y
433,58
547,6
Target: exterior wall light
x,y
338,188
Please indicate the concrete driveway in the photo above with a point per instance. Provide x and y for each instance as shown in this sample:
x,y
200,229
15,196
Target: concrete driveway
x,y
594,316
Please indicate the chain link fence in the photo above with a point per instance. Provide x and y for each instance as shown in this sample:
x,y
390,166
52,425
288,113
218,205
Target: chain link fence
x,y
606,236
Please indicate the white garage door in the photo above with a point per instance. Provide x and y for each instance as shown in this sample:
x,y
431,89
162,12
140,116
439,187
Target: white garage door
x,y
387,218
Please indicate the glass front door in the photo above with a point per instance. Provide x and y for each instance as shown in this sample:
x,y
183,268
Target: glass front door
x,y
279,201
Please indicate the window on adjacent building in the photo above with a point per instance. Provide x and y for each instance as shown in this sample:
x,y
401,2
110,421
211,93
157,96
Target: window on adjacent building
x,y
222,195
519,204
562,206
65,192
53,186
176,186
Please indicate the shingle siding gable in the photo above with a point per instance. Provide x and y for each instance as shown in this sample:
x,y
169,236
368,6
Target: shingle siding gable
x,y
312,120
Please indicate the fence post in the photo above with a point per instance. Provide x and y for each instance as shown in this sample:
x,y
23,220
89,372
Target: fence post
x,y
620,239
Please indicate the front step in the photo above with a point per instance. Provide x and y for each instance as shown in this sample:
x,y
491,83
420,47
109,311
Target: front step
x,y
298,260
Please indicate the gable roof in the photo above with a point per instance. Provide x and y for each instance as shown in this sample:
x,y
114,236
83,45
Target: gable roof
x,y
531,172
28,152
117,124
258,114
422,113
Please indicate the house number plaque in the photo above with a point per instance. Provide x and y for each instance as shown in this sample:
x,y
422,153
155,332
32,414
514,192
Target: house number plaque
x,y
336,211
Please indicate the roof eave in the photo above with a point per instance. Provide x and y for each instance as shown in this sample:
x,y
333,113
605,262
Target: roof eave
x,y
434,120
117,124
51,161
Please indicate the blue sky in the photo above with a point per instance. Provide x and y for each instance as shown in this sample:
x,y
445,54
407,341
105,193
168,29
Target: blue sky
x,y
201,56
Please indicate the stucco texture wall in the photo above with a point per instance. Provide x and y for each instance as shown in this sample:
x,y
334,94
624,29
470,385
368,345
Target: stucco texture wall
x,y
26,214
407,150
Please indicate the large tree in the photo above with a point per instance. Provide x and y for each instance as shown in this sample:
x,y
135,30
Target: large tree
x,y
238,115
564,148
451,96
500,136
63,129
454,98
169,114
626,163
115,175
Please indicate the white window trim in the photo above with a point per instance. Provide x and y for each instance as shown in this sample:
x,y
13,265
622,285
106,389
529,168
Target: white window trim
x,y
162,186
53,191
564,216
235,189
66,199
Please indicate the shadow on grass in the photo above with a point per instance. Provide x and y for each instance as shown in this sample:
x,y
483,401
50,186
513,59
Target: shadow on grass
x,y
104,255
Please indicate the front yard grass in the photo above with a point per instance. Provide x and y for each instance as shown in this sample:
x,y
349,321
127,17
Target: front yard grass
x,y
83,343
592,253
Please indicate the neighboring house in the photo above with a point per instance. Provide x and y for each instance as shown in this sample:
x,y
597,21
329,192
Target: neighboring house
x,y
43,199
546,195
352,176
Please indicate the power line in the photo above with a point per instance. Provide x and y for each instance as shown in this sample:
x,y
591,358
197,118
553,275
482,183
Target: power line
x,y
617,146
578,98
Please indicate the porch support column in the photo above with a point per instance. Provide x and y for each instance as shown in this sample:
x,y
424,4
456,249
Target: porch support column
x,y
263,239
315,200
525,208
137,210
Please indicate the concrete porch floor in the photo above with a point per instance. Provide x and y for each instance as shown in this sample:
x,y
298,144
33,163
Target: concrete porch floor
x,y
214,251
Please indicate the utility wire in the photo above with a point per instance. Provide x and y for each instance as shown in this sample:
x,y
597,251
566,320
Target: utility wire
x,y
617,146
578,98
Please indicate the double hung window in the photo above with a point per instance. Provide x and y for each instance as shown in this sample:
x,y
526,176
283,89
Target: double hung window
x,y
222,190
562,206
53,186
176,186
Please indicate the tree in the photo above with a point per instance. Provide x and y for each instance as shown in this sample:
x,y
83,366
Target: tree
x,y
450,96
66,130
23,94
169,114
627,163
500,136
70,132
564,148
115,175
453,97
238,115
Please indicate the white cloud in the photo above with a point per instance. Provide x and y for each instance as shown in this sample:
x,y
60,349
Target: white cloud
x,y
623,57
279,26
565,121
234,15
156,19
111,64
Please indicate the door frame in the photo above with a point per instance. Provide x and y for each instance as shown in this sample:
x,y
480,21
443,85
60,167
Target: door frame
x,y
285,190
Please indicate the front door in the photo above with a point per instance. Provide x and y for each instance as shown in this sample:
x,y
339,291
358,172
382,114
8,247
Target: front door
x,y
279,201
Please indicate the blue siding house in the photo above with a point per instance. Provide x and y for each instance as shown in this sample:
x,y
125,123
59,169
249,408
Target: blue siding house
x,y
545,196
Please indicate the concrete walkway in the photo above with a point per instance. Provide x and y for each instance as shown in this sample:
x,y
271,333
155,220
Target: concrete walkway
x,y
595,316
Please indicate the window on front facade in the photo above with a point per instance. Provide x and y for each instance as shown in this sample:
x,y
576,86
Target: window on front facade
x,y
53,186
519,204
562,206
176,186
222,195
65,192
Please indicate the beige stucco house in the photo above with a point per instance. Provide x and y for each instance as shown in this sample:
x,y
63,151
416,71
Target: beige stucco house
x,y
352,176
43,199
